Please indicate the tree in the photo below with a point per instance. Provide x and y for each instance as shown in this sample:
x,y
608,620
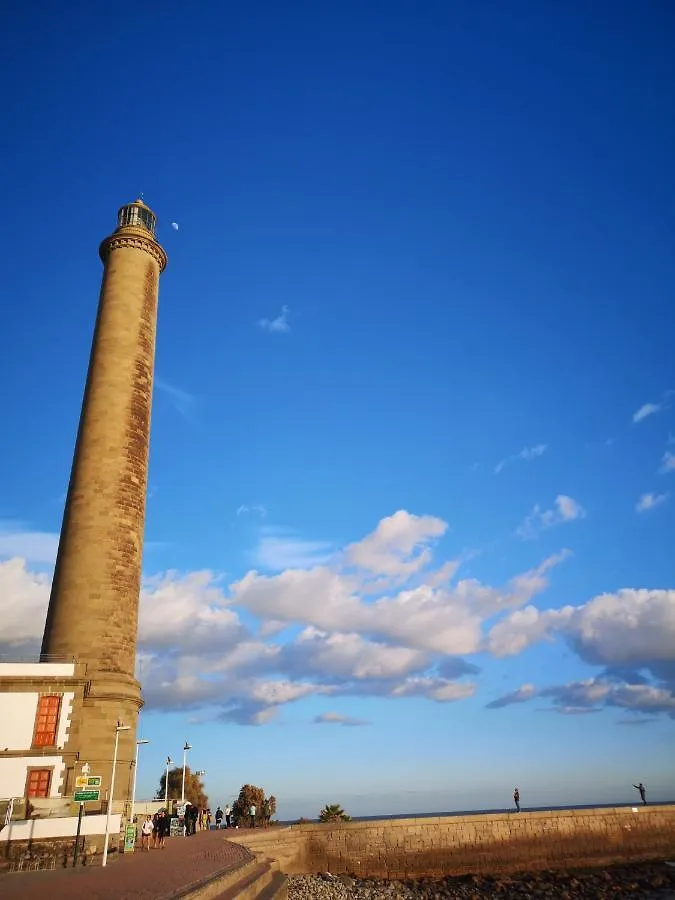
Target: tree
x,y
194,787
249,795
333,812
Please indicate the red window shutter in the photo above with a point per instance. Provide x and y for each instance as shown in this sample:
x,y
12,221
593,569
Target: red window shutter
x,y
39,781
47,720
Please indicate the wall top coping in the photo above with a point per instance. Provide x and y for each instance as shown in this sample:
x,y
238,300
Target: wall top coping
x,y
37,670
666,808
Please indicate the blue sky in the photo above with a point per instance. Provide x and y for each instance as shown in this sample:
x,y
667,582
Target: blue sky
x,y
412,456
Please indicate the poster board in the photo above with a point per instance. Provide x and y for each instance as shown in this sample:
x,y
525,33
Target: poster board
x,y
130,838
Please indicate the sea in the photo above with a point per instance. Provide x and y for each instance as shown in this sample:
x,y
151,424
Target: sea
x,y
488,812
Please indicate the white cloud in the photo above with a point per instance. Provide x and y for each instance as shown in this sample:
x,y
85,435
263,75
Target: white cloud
x,y
565,510
175,226
406,639
258,508
277,551
279,325
439,619
399,546
33,546
649,409
521,695
593,694
667,463
526,454
182,401
25,596
650,501
333,718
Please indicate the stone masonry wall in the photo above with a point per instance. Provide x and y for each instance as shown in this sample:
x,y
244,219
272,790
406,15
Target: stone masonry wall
x,y
483,844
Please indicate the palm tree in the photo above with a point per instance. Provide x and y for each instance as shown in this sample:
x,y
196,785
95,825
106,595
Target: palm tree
x,y
333,812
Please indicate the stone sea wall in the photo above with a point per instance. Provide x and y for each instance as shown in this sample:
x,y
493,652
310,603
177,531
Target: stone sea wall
x,y
480,844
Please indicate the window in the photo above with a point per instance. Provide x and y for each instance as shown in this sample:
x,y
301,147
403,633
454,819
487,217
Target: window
x,y
39,781
47,720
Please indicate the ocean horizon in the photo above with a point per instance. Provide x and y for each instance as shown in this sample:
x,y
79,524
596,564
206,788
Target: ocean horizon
x,y
487,812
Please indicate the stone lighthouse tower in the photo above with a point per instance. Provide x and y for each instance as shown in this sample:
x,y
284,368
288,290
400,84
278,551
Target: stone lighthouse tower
x,y
93,608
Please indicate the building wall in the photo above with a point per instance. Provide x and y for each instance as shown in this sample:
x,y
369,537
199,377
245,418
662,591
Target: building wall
x,y
21,685
484,844
43,829
17,714
14,770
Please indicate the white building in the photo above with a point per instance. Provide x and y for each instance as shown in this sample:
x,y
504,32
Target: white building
x,y
36,705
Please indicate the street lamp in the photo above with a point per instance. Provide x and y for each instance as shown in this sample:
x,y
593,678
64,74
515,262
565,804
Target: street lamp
x,y
169,762
185,751
133,790
118,728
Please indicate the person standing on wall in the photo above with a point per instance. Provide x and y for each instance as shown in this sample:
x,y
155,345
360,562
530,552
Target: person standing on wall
x,y
642,791
516,799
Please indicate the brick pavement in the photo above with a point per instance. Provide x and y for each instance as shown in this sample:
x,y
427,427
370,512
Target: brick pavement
x,y
157,875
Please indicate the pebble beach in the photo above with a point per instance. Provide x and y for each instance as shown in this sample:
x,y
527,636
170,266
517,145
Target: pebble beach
x,y
644,881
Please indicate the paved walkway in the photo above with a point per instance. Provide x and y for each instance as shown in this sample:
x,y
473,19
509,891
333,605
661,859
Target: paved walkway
x,y
157,875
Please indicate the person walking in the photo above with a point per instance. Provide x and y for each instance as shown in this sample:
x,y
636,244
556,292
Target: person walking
x,y
228,816
219,817
267,814
147,828
164,828
516,799
251,815
642,790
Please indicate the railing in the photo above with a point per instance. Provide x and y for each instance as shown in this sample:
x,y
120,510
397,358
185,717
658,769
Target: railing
x,y
9,812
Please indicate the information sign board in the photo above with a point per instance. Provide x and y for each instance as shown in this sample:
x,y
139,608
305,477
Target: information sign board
x,y
86,796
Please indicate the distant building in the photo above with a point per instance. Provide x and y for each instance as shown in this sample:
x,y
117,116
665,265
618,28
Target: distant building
x,y
61,712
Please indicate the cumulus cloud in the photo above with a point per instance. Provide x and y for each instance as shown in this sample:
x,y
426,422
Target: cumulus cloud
x,y
378,619
593,694
279,325
565,509
667,463
521,695
526,454
650,501
16,540
25,596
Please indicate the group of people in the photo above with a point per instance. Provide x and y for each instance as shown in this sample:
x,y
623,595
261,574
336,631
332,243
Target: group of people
x,y
158,827
226,815
640,788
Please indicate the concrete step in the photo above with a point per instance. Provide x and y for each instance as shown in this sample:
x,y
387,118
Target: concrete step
x,y
212,888
263,882
277,889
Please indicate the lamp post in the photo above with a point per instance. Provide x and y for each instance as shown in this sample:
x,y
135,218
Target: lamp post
x,y
118,728
185,752
169,762
133,789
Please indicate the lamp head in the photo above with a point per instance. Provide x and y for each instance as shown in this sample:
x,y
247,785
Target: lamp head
x,y
187,746
122,728
143,741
